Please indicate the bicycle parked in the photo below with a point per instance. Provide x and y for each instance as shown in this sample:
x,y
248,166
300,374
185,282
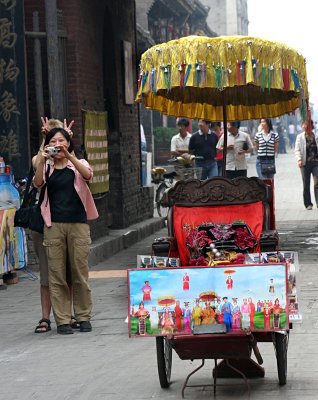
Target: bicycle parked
x,y
185,170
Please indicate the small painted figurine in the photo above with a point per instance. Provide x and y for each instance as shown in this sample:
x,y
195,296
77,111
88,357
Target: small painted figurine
x,y
142,314
227,309
196,313
186,281
146,289
178,315
229,282
186,318
236,322
208,314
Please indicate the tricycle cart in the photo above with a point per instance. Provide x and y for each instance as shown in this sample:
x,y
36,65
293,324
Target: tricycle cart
x,y
235,79
217,198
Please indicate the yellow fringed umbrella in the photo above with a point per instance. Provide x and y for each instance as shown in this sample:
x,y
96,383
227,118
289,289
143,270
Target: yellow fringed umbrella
x,y
225,78
196,76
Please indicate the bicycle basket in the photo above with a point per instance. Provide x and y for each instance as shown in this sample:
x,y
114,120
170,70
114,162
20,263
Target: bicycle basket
x,y
157,174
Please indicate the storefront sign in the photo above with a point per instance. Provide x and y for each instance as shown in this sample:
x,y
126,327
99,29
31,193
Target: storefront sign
x,y
96,149
14,133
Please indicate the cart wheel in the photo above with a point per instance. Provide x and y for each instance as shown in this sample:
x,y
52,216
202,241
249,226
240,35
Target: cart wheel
x,y
162,211
281,346
164,361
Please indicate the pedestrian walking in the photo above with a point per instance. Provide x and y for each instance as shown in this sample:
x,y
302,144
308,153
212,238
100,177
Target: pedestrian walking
x,y
238,144
266,144
203,144
282,142
66,207
291,135
307,158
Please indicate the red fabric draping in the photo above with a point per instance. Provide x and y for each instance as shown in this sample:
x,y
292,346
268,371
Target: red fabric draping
x,y
251,214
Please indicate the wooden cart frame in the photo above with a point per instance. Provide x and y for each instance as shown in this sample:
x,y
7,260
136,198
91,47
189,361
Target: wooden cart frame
x,y
235,349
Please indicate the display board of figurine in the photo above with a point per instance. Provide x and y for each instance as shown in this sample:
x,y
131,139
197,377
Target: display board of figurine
x,y
174,300
13,249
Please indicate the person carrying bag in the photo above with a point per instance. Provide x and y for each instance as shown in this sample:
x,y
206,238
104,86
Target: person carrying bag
x,y
29,214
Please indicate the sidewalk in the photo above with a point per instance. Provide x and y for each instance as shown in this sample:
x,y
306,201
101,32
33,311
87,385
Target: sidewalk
x,y
106,364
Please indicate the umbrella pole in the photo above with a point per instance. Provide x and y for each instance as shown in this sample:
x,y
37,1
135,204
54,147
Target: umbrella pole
x,y
225,133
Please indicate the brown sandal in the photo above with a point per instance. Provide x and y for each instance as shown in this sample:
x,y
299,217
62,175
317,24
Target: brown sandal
x,y
43,326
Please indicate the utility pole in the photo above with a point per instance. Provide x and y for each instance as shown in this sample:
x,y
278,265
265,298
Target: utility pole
x,y
54,76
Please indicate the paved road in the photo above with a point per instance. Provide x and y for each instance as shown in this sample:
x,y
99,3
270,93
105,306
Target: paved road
x,y
106,364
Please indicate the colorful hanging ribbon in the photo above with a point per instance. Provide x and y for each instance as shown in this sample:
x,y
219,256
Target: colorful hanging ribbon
x,y
263,78
139,79
197,74
203,75
238,72
153,81
254,67
243,71
269,75
217,76
167,76
286,78
182,73
143,80
186,77
295,79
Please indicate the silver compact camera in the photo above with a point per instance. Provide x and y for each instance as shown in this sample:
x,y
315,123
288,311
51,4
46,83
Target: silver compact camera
x,y
52,150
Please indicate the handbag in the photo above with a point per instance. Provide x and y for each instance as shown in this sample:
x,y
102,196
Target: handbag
x,y
268,167
29,214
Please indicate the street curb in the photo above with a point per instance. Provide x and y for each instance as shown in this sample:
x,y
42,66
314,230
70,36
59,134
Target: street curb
x,y
120,239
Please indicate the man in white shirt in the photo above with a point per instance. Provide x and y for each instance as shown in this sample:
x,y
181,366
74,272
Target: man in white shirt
x,y
180,142
238,144
180,147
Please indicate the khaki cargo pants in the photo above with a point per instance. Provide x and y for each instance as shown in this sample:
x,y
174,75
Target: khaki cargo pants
x,y
72,239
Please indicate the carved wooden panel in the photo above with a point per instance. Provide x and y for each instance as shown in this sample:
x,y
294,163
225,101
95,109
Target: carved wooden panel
x,y
217,191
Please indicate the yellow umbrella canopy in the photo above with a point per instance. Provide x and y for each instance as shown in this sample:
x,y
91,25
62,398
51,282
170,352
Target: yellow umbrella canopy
x,y
196,76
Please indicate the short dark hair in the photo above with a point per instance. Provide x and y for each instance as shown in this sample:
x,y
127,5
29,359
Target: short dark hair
x,y
184,122
53,132
205,121
236,124
215,124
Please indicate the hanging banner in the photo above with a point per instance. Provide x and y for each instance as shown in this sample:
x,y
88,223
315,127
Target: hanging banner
x,y
14,132
96,149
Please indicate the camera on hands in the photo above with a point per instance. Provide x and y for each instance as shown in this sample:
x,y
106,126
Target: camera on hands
x,y
52,150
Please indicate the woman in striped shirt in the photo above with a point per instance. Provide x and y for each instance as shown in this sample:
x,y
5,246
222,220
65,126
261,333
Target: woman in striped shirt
x,y
266,144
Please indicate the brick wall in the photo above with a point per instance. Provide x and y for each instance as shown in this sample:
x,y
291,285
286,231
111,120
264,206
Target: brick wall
x,y
95,81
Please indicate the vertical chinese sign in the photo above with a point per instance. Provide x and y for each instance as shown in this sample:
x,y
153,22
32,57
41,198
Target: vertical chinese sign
x,y
96,149
14,132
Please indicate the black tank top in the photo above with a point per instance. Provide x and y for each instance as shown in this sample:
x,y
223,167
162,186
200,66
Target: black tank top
x,y
65,203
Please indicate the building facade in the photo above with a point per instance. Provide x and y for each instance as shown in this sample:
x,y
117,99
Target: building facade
x,y
76,60
159,21
228,17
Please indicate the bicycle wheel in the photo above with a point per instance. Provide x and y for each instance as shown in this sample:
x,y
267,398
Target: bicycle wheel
x,y
164,361
162,211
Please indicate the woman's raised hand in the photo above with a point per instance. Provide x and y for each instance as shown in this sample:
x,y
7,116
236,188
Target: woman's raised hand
x,y
68,127
45,126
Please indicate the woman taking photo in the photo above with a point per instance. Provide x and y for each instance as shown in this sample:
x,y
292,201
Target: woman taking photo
x,y
266,145
66,207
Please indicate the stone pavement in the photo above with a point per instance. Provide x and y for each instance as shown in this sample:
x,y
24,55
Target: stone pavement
x,y
106,364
